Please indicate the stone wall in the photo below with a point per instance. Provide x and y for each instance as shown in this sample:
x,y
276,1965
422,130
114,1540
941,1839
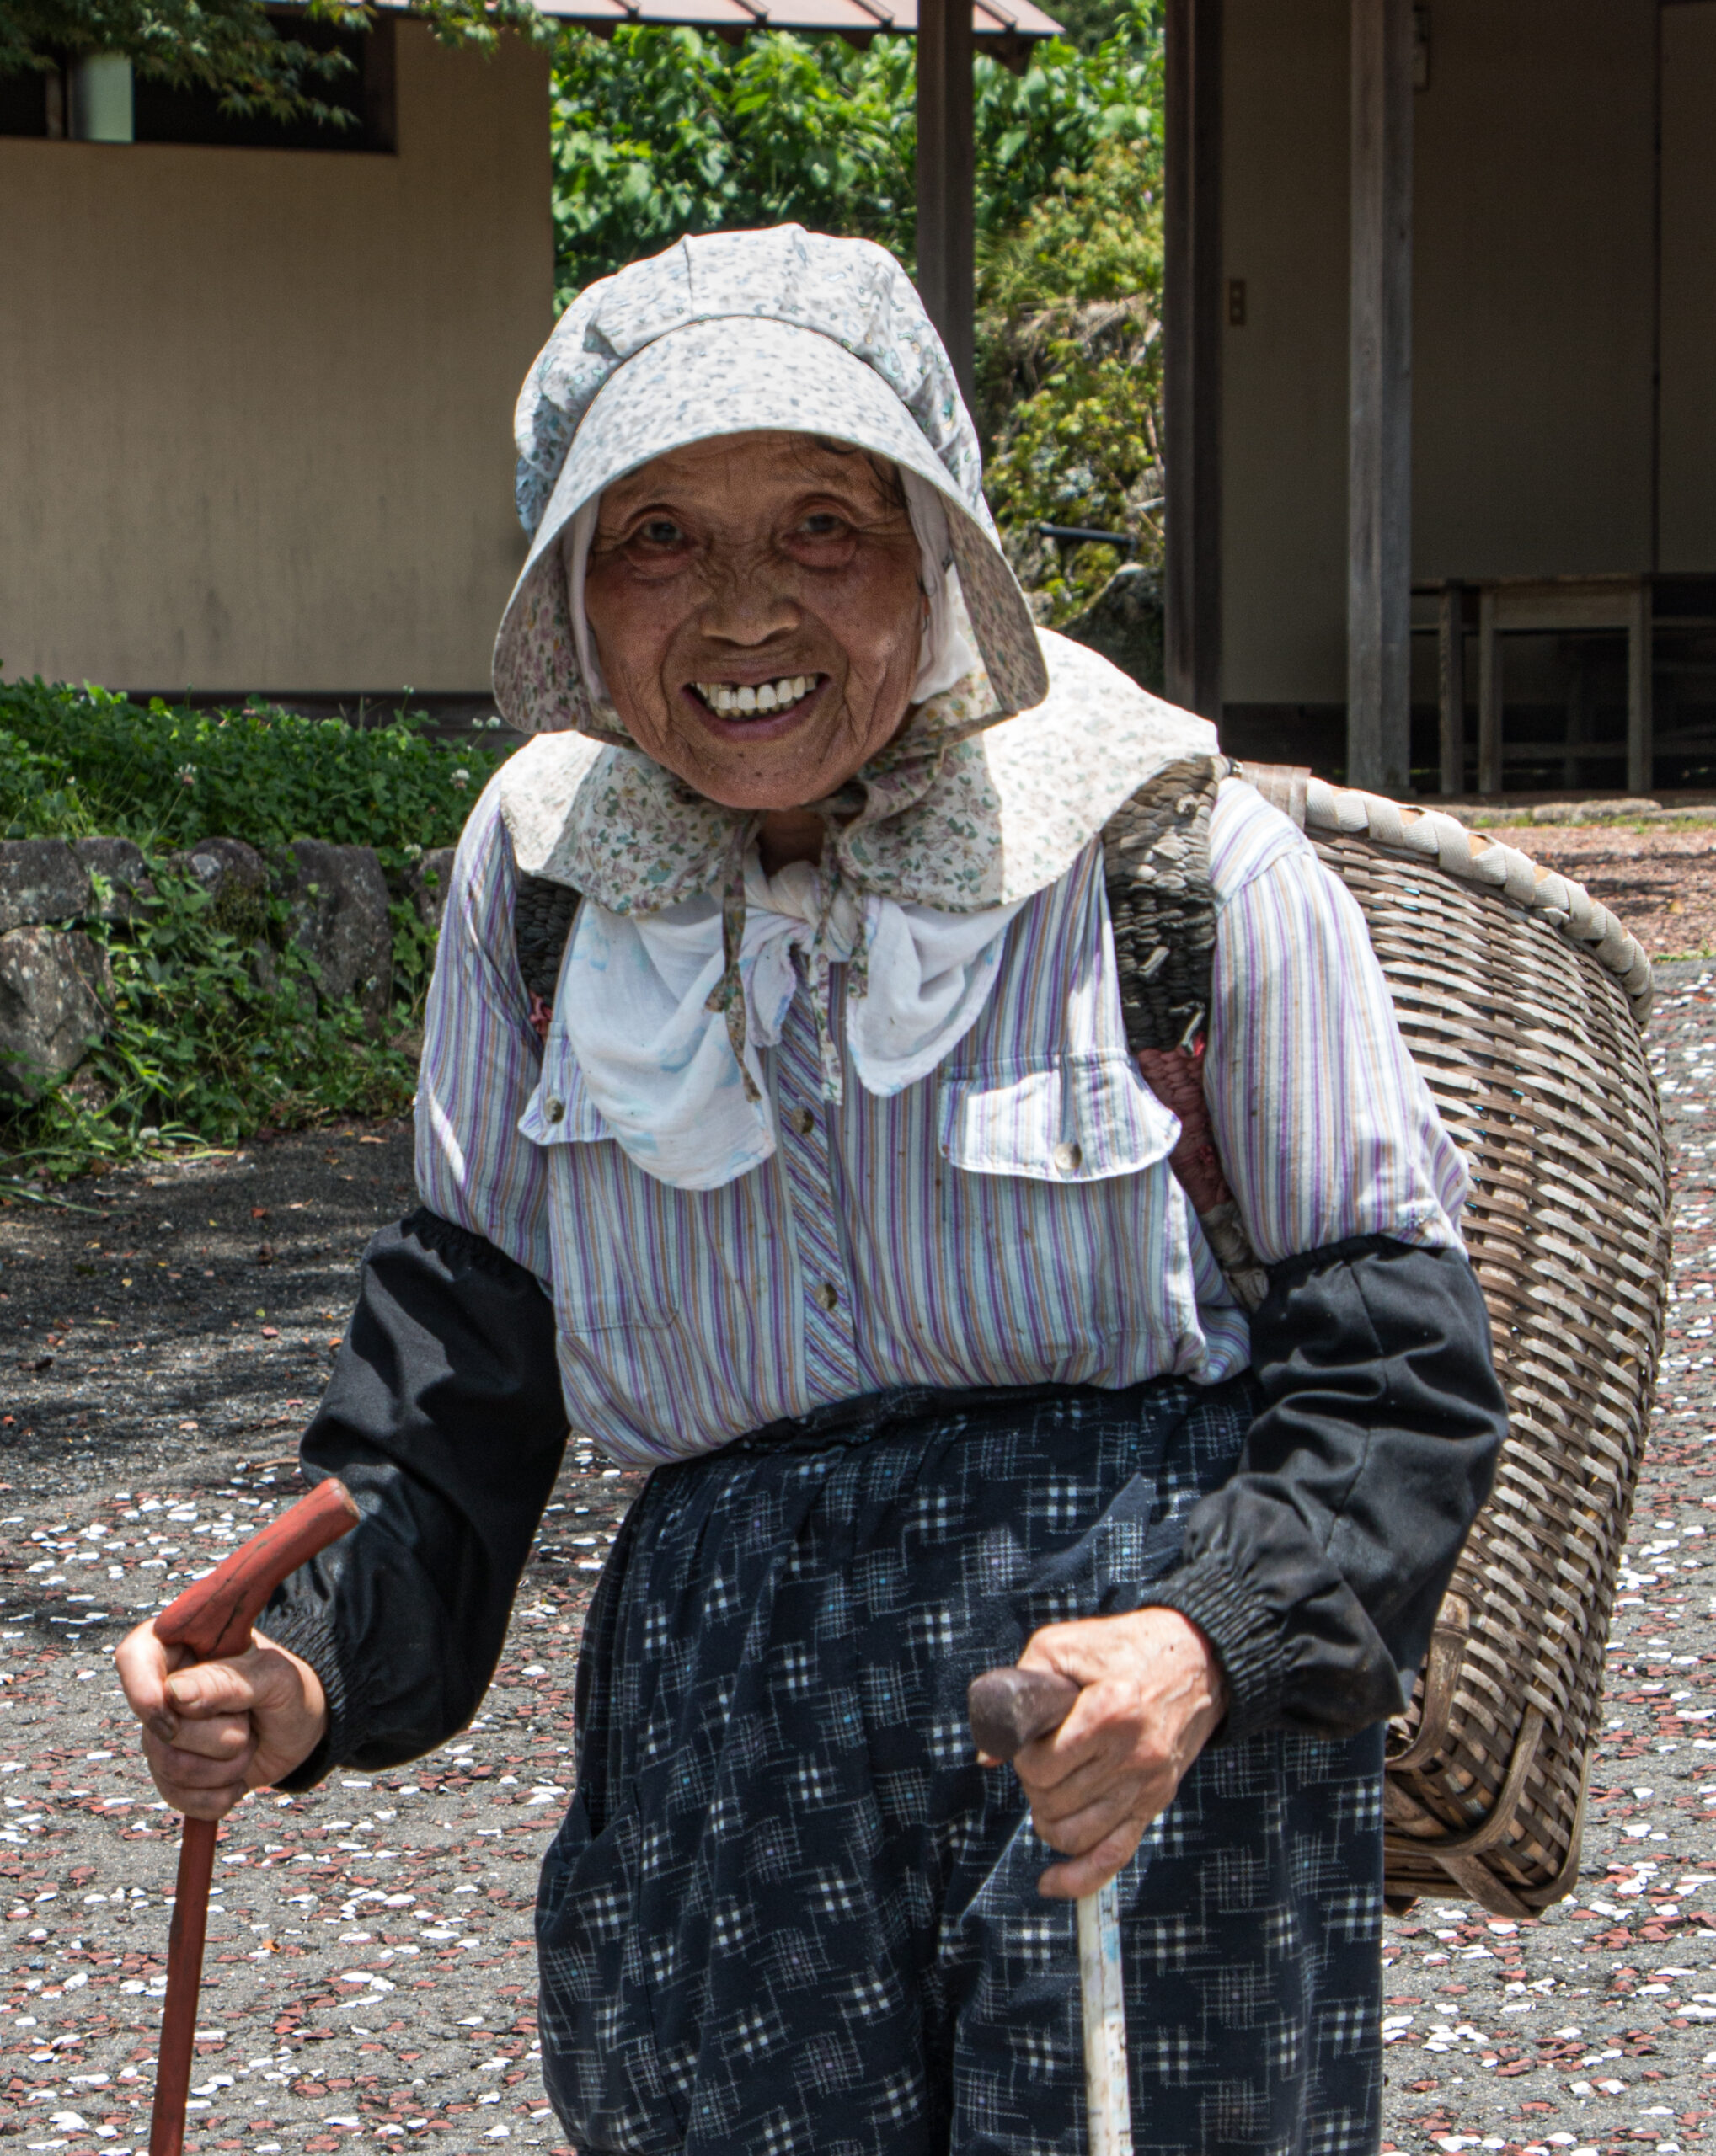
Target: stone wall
x,y
55,989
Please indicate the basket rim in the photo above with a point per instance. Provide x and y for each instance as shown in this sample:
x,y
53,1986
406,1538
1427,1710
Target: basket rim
x,y
1475,857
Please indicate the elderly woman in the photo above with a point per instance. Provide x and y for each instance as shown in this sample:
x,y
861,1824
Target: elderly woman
x,y
780,1127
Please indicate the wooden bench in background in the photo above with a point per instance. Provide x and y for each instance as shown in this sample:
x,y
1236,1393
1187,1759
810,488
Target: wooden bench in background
x,y
1523,606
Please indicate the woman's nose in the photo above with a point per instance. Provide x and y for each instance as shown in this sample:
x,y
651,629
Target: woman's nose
x,y
748,602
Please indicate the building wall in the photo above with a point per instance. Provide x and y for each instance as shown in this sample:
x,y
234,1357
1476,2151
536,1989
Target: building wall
x,y
1284,374
1688,510
1532,305
255,426
1532,289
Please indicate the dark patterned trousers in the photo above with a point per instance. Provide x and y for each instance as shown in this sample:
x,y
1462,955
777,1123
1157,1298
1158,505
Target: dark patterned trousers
x,y
787,1911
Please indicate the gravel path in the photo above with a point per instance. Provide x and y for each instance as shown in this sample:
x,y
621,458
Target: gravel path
x,y
369,1972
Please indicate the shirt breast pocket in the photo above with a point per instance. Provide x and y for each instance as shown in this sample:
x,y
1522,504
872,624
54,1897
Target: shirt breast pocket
x,y
1056,1171
1069,1118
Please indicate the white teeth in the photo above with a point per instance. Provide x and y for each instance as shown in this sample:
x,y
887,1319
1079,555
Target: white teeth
x,y
732,701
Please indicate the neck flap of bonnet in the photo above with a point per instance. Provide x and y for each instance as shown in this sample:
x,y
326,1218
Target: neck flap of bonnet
x,y
994,785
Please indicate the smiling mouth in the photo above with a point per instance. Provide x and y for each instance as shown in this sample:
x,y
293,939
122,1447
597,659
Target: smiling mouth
x,y
762,700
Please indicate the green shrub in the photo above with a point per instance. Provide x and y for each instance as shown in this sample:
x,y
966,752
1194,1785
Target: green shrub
x,y
74,761
1071,371
216,1030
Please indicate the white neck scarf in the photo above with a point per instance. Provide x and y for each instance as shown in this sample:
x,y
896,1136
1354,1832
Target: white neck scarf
x,y
636,989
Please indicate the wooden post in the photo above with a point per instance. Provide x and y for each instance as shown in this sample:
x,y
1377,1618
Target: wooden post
x,y
1451,649
1641,747
946,176
1192,325
1379,469
1488,695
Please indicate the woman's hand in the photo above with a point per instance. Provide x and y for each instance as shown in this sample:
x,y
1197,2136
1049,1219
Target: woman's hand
x,y
1153,1693
212,1730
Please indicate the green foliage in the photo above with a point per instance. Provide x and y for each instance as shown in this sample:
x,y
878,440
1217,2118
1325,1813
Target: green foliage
x,y
1070,362
1087,23
209,1043
74,761
231,46
660,132
216,1030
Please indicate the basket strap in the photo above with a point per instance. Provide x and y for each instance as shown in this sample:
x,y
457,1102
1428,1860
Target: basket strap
x,y
1162,910
542,922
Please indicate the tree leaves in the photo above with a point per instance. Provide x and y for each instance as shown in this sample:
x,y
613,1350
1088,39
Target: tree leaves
x,y
660,132
231,46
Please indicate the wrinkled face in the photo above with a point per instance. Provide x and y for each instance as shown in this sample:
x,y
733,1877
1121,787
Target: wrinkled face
x,y
755,606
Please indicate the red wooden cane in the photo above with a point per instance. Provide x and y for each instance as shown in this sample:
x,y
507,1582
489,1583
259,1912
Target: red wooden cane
x,y
213,1619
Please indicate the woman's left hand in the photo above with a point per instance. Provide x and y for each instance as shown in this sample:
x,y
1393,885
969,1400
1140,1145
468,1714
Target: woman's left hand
x,y
1152,1692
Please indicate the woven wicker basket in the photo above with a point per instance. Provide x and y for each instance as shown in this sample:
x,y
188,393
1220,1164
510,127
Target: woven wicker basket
x,y
1522,1001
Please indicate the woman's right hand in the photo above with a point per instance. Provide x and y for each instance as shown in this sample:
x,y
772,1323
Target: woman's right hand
x,y
212,1730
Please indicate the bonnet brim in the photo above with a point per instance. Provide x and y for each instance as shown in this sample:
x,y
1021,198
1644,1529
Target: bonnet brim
x,y
732,374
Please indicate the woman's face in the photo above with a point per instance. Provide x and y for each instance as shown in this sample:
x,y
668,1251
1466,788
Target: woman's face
x,y
755,606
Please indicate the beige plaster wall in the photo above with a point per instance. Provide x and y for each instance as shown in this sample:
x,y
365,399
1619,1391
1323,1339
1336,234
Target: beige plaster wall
x,y
1284,374
256,405
1688,510
1532,289
1532,302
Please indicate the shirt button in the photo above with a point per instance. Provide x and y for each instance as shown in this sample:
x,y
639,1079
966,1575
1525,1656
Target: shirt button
x,y
828,1295
803,1121
557,1111
1068,1156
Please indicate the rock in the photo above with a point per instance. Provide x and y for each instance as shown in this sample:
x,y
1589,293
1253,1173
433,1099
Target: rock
x,y
235,875
338,900
429,883
55,994
123,866
40,879
220,865
1124,623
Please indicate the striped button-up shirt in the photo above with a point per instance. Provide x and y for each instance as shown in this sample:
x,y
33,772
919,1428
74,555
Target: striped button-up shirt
x,y
1011,1219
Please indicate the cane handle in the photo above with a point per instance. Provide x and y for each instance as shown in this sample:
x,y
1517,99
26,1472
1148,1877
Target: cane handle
x,y
1010,1707
213,1617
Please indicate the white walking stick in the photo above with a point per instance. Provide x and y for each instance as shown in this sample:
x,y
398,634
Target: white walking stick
x,y
1010,1707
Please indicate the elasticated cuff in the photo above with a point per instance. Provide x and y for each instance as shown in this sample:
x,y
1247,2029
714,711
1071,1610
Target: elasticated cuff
x,y
1246,1634
314,1643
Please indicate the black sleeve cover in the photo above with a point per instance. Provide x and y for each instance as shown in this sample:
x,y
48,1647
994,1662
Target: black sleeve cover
x,y
1317,1572
444,1418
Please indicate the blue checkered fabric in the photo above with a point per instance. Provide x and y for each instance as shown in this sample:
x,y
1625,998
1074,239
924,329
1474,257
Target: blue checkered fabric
x,y
787,1912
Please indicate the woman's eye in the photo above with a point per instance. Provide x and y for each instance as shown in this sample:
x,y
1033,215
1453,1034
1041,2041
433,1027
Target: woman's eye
x,y
824,524
660,531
